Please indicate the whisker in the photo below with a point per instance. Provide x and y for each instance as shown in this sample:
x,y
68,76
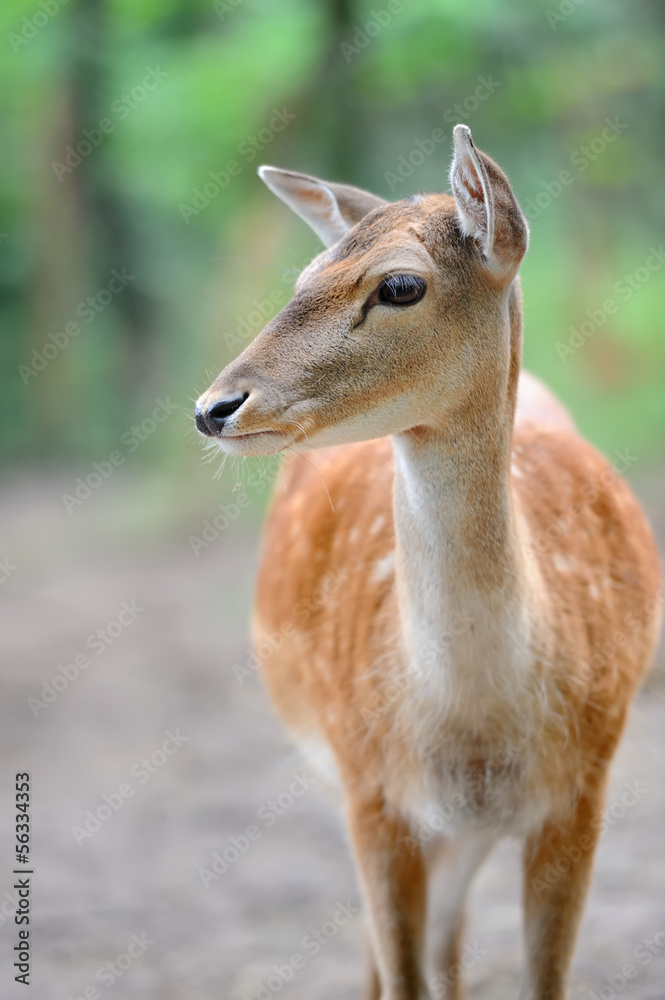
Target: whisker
x,y
323,454
320,474
221,468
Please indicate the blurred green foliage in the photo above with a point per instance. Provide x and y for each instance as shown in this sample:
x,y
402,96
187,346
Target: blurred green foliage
x,y
186,84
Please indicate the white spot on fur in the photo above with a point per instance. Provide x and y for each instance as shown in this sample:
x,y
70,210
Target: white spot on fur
x,y
377,524
593,590
321,757
383,567
516,472
565,564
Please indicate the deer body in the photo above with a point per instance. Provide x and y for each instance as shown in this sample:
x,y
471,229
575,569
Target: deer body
x,y
456,603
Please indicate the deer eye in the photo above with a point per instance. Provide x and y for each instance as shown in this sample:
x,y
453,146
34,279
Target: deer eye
x,y
401,289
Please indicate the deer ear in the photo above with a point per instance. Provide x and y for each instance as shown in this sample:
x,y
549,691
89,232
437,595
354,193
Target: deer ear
x,y
486,207
330,209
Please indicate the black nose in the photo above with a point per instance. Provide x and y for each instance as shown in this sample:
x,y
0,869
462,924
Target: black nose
x,y
212,420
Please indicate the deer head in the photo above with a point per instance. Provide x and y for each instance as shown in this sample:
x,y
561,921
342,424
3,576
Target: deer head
x,y
400,323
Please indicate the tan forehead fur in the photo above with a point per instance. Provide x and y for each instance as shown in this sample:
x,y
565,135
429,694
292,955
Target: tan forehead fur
x,y
406,235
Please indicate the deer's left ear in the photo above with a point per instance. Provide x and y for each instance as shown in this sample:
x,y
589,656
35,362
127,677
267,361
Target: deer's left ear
x,y
330,209
487,208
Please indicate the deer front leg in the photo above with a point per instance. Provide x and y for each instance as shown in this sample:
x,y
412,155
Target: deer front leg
x,y
393,879
373,985
558,865
460,860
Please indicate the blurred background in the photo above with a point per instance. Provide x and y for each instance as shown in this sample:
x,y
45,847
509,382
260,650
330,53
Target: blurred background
x,y
140,253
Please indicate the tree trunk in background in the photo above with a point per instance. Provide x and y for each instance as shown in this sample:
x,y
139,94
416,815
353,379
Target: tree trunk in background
x,y
107,214
89,232
330,109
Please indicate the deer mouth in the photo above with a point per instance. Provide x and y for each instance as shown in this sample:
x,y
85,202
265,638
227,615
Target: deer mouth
x,y
244,424
261,442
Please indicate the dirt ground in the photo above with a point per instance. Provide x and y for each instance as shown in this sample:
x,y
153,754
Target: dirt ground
x,y
134,880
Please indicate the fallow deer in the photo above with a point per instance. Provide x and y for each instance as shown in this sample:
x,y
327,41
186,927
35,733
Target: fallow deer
x,y
491,588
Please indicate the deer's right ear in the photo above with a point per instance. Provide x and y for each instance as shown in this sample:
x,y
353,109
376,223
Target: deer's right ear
x,y
330,209
487,208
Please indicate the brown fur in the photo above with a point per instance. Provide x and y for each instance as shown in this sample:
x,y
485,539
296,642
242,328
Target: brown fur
x,y
323,675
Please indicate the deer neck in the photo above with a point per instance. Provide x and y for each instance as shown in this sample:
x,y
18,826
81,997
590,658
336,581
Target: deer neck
x,y
465,584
